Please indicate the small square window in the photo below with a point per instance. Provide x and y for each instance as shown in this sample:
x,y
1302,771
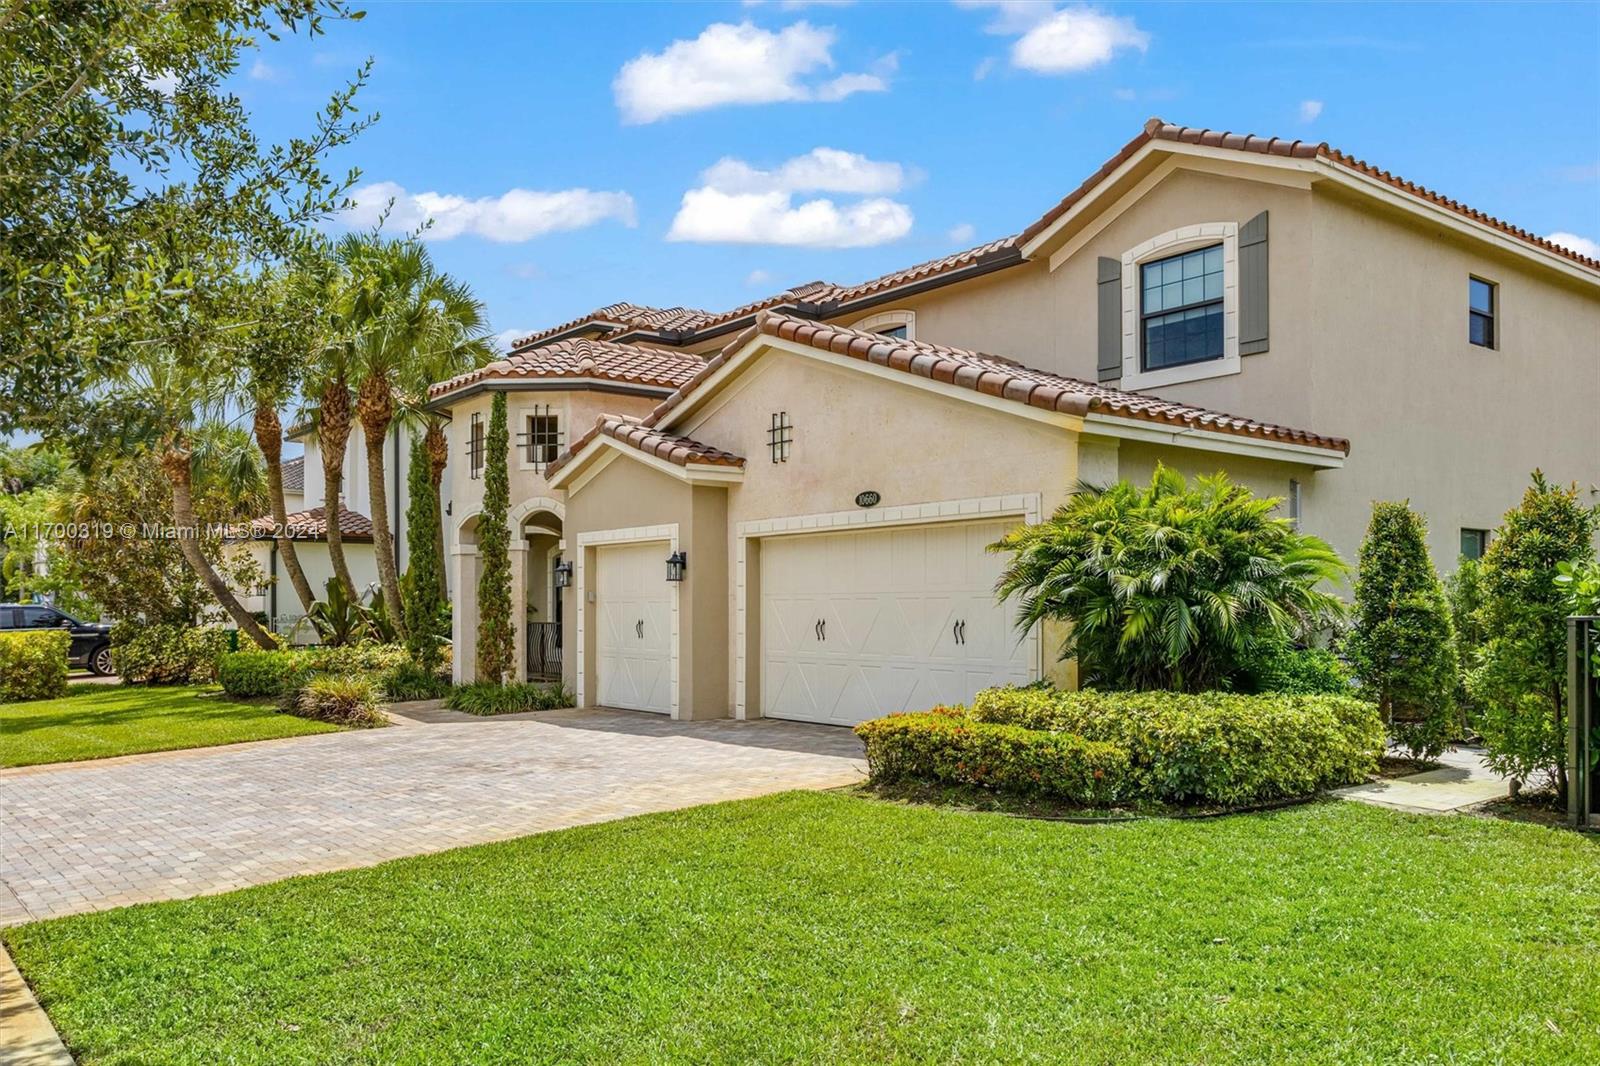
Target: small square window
x,y
1474,542
1481,309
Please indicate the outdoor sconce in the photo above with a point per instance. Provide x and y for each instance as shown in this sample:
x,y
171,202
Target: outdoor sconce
x,y
677,563
563,572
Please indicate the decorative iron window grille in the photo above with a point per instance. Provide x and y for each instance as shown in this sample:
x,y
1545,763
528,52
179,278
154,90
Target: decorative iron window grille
x,y
541,438
780,437
475,447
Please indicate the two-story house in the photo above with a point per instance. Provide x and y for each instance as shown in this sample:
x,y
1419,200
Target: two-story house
x,y
825,467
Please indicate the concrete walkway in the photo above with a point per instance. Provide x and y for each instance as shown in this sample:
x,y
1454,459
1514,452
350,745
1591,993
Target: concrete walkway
x,y
1463,781
87,836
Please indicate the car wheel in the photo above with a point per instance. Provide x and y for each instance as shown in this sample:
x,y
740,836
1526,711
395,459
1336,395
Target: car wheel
x,y
100,660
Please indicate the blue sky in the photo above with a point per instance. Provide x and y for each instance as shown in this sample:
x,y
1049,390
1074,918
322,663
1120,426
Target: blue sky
x,y
573,155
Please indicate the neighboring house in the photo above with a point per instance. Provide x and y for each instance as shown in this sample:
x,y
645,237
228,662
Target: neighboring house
x,y
305,500
829,464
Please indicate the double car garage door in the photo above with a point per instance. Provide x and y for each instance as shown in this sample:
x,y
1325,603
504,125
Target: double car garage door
x,y
853,625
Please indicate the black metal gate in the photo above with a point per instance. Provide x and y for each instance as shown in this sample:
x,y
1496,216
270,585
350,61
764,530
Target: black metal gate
x,y
1583,720
544,651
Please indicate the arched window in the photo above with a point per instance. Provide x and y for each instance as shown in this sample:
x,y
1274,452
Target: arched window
x,y
898,324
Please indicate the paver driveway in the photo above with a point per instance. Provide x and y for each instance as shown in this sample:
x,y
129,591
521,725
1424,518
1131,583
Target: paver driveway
x,y
87,836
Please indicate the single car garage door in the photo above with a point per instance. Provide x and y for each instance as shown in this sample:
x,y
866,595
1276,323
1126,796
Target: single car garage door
x,y
634,641
857,625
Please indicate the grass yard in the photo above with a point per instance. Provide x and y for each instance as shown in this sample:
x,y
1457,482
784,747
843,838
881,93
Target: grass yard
x,y
811,927
96,721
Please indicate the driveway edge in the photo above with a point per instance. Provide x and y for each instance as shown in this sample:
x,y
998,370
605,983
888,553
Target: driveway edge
x,y
26,1036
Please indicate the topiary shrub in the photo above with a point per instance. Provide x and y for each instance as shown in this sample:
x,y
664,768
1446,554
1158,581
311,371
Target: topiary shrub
x,y
486,698
1212,747
169,654
346,700
941,747
33,664
1402,643
1169,586
408,681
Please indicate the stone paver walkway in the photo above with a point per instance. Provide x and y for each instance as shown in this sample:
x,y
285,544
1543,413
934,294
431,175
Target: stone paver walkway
x,y
1462,781
88,836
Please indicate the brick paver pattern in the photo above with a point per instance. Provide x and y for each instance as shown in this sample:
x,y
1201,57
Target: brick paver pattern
x,y
89,836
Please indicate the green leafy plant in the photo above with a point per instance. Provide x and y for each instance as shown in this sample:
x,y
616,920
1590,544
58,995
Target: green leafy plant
x,y
427,620
1402,645
1169,585
488,698
33,665
340,619
1278,666
340,699
1521,678
253,673
408,681
169,654
1580,581
1210,747
495,642
944,747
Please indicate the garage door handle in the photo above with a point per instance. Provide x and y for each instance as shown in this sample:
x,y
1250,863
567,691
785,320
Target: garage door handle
x,y
638,629
963,631
824,624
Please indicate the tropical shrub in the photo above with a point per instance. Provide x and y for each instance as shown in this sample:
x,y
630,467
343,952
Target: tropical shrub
x,y
495,649
1169,585
343,699
1402,644
408,681
941,747
1211,747
252,673
1579,582
486,698
33,664
1278,666
169,654
1521,678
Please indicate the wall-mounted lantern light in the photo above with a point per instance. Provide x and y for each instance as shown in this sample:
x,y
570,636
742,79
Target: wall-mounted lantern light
x,y
677,563
563,572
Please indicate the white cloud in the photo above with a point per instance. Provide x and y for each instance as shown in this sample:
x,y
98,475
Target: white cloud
x,y
1581,245
1063,41
962,233
261,70
1309,110
503,340
757,277
737,203
514,216
741,64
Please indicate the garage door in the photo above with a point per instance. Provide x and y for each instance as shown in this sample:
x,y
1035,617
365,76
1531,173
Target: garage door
x,y
857,625
633,607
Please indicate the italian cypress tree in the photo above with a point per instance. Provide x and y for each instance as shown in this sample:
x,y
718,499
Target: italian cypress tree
x,y
424,606
494,548
1403,646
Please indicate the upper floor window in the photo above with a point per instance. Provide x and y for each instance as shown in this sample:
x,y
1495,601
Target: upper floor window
x,y
1474,542
475,447
1481,311
1180,308
901,325
540,438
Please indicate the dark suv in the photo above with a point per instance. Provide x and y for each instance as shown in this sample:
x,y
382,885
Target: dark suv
x,y
91,641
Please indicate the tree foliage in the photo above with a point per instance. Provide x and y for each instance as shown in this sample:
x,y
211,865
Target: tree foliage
x,y
1168,586
495,640
426,613
1402,646
1521,678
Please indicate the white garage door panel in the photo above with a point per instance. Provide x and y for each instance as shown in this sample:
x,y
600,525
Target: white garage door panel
x,y
634,607
889,603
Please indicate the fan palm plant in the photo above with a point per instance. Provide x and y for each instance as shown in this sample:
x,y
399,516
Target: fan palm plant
x,y
1170,585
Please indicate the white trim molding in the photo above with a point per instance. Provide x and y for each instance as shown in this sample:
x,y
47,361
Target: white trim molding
x,y
1175,242
536,503
875,323
601,538
605,448
1026,505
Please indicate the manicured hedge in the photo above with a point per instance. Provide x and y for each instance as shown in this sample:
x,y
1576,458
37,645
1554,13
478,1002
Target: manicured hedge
x,y
947,747
169,655
1211,747
246,674
33,665
486,698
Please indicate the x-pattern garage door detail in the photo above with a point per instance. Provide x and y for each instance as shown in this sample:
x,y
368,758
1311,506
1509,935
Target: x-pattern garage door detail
x,y
857,625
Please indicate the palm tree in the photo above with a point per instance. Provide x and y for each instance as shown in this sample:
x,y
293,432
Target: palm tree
x,y
403,317
326,395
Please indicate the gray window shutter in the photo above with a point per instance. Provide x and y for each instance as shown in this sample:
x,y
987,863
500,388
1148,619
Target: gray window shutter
x,y
1253,286
1110,304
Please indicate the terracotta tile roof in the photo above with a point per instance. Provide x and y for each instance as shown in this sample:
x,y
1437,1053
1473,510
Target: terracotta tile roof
x,y
669,446
312,524
294,475
997,376
621,317
1156,129
581,357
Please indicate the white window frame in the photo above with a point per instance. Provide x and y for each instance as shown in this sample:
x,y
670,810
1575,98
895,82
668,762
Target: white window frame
x,y
874,323
1164,246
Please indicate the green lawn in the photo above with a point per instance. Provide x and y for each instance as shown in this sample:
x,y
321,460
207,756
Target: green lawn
x,y
830,928
94,721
